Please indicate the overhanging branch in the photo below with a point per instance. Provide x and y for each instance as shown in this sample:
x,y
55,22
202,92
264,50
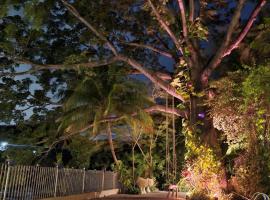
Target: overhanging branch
x,y
37,67
194,59
215,61
150,75
226,48
246,29
164,109
166,27
154,49
74,11
155,79
162,75
191,10
183,17
91,64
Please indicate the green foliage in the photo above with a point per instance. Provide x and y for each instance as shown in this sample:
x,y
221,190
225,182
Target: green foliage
x,y
182,80
244,112
252,175
202,170
81,152
198,30
28,142
31,98
256,87
167,14
126,178
261,43
73,59
35,18
101,96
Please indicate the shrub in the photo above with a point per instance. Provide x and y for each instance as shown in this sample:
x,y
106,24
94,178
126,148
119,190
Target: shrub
x,y
241,111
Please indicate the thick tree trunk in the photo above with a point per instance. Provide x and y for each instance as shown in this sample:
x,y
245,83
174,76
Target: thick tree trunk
x,y
209,135
110,140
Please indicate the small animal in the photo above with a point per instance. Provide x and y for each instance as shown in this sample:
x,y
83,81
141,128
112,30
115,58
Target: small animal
x,y
144,184
173,191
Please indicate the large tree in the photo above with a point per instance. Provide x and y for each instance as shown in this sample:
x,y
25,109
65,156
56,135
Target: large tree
x,y
195,37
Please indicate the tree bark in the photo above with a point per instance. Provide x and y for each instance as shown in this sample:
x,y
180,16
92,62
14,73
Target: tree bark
x,y
110,140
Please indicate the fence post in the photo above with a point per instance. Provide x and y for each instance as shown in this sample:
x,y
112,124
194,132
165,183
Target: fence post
x,y
83,184
7,180
56,180
103,179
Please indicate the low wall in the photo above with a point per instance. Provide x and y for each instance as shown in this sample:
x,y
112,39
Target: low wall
x,y
86,196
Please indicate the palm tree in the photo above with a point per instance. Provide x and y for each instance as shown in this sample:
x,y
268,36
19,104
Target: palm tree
x,y
99,100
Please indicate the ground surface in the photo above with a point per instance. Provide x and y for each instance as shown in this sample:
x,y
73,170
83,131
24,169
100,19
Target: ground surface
x,y
151,196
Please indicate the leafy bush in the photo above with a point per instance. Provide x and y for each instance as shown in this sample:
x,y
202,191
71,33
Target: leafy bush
x,y
125,177
241,111
203,174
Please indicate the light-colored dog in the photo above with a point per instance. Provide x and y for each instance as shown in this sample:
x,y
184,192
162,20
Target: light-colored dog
x,y
144,184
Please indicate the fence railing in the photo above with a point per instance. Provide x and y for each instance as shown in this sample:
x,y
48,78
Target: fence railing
x,y
34,182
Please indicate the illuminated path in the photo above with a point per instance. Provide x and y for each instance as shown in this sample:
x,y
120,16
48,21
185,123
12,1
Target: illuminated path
x,y
151,196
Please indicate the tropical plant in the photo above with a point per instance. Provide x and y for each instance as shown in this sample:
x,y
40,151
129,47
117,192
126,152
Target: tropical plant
x,y
242,109
103,101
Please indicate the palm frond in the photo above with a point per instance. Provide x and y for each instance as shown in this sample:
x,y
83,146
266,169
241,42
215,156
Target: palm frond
x,y
87,92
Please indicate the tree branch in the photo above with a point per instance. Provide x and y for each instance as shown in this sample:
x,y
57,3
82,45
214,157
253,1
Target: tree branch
x,y
164,53
195,54
156,80
162,75
152,109
27,108
183,17
226,41
166,27
191,10
74,11
91,64
248,26
36,67
164,109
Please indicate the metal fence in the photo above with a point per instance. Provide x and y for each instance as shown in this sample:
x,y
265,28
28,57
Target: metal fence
x,y
34,182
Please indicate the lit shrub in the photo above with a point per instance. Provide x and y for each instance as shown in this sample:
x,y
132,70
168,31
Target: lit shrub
x,y
203,175
240,109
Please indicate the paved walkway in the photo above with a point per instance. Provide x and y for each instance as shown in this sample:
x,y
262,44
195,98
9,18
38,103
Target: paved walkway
x,y
161,195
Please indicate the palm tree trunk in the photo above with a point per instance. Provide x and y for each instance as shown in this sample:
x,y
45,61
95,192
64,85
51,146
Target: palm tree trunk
x,y
133,164
151,157
110,140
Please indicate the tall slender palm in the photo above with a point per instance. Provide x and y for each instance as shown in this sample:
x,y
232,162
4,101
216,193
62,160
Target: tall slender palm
x,y
105,95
